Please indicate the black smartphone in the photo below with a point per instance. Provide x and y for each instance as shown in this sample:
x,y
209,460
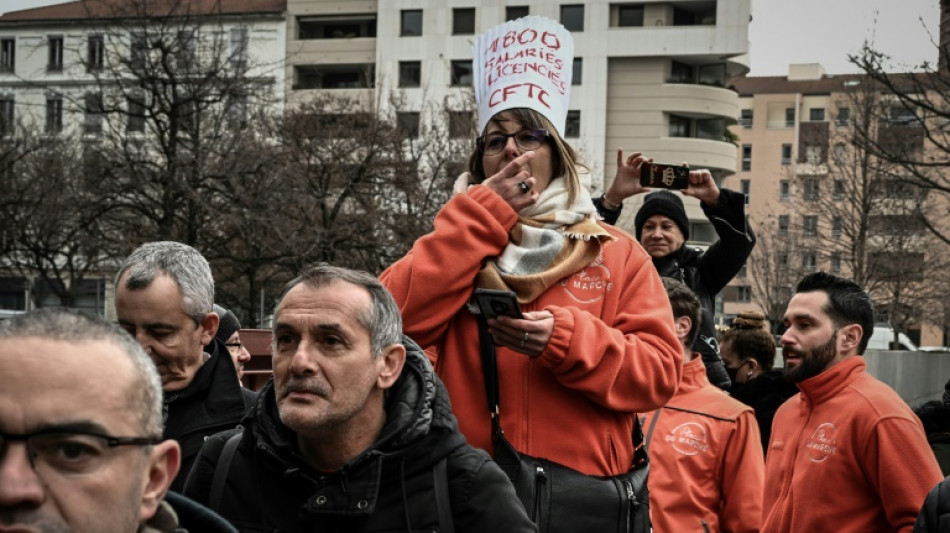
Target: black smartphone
x,y
663,176
495,303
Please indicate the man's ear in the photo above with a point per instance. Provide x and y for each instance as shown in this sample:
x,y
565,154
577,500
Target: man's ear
x,y
391,362
163,463
209,326
850,338
682,326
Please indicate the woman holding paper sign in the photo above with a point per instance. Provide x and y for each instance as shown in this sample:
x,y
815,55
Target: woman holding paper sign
x,y
596,343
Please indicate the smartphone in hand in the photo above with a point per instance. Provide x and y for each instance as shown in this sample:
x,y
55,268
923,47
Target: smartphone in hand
x,y
658,175
494,303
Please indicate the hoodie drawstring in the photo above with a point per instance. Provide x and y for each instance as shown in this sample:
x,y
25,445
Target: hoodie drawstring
x,y
405,499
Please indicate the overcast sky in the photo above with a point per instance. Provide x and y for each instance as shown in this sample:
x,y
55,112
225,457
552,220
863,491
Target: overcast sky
x,y
809,31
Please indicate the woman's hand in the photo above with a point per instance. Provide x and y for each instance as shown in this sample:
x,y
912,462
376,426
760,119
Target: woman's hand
x,y
627,180
702,186
515,184
528,335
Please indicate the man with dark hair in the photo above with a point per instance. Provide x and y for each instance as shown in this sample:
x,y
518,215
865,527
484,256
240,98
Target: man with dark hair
x,y
707,466
164,297
354,432
80,432
846,453
662,227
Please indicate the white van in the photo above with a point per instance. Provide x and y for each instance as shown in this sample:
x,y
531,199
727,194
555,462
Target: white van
x,y
883,336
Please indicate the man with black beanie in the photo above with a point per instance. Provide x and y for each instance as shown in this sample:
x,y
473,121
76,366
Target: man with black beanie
x,y
662,227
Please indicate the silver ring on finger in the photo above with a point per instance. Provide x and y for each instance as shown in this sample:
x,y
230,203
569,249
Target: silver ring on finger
x,y
525,188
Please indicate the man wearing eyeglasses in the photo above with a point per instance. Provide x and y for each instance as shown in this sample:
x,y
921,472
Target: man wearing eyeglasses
x,y
164,299
80,446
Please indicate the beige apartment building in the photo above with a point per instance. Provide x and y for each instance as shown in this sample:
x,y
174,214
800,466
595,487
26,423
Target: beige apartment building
x,y
803,168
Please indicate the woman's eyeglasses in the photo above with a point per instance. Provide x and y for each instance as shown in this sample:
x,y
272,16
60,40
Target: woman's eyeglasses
x,y
493,143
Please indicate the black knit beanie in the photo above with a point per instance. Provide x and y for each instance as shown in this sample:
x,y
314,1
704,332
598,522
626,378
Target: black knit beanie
x,y
663,202
227,324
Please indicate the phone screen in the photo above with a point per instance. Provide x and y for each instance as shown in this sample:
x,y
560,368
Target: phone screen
x,y
493,303
658,175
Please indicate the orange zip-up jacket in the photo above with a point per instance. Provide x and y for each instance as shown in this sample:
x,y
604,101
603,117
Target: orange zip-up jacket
x,y
846,455
706,461
612,353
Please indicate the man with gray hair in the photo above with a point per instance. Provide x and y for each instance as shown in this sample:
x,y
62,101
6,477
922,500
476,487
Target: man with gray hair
x,y
80,447
354,432
164,299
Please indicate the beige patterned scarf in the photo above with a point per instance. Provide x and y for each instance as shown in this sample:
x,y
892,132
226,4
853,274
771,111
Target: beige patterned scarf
x,y
550,241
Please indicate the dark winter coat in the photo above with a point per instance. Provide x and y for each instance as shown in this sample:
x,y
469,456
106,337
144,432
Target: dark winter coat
x,y
934,517
389,487
706,273
764,395
214,401
178,514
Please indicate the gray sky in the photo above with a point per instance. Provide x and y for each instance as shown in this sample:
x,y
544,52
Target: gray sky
x,y
809,31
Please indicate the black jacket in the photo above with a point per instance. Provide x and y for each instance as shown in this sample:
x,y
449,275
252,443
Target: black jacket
x,y
389,487
764,394
706,273
934,517
214,401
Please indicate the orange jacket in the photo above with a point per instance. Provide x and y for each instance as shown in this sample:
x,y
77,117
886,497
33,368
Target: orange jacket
x,y
846,455
612,352
706,461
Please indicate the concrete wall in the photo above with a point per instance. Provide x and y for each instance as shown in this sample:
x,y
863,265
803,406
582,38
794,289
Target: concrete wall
x,y
916,376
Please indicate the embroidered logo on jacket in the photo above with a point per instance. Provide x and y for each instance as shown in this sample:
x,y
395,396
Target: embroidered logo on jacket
x,y
688,438
823,443
589,284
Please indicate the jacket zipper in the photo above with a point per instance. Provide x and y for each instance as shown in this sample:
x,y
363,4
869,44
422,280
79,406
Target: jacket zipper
x,y
633,504
540,479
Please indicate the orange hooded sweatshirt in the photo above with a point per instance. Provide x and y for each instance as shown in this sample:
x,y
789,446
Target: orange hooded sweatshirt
x,y
846,455
612,353
706,461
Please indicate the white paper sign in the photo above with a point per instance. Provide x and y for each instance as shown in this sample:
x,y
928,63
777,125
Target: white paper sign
x,y
526,62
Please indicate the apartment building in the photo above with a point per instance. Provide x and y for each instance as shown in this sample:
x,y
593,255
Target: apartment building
x,y
647,76
806,176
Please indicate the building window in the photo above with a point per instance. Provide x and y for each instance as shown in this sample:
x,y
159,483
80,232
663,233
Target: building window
x,y
813,154
336,27
810,225
238,48
782,259
186,48
410,22
743,293
54,62
577,71
334,76
92,119
237,111
408,124
410,73
812,189
836,227
138,49
54,114
7,117
572,17
679,126
629,16
463,21
844,116
572,127
461,72
745,118
136,113
746,157
786,154
784,187
461,124
681,72
840,154
714,74
8,54
838,190
835,262
516,12
783,224
789,117
816,114
95,53
746,187
809,261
